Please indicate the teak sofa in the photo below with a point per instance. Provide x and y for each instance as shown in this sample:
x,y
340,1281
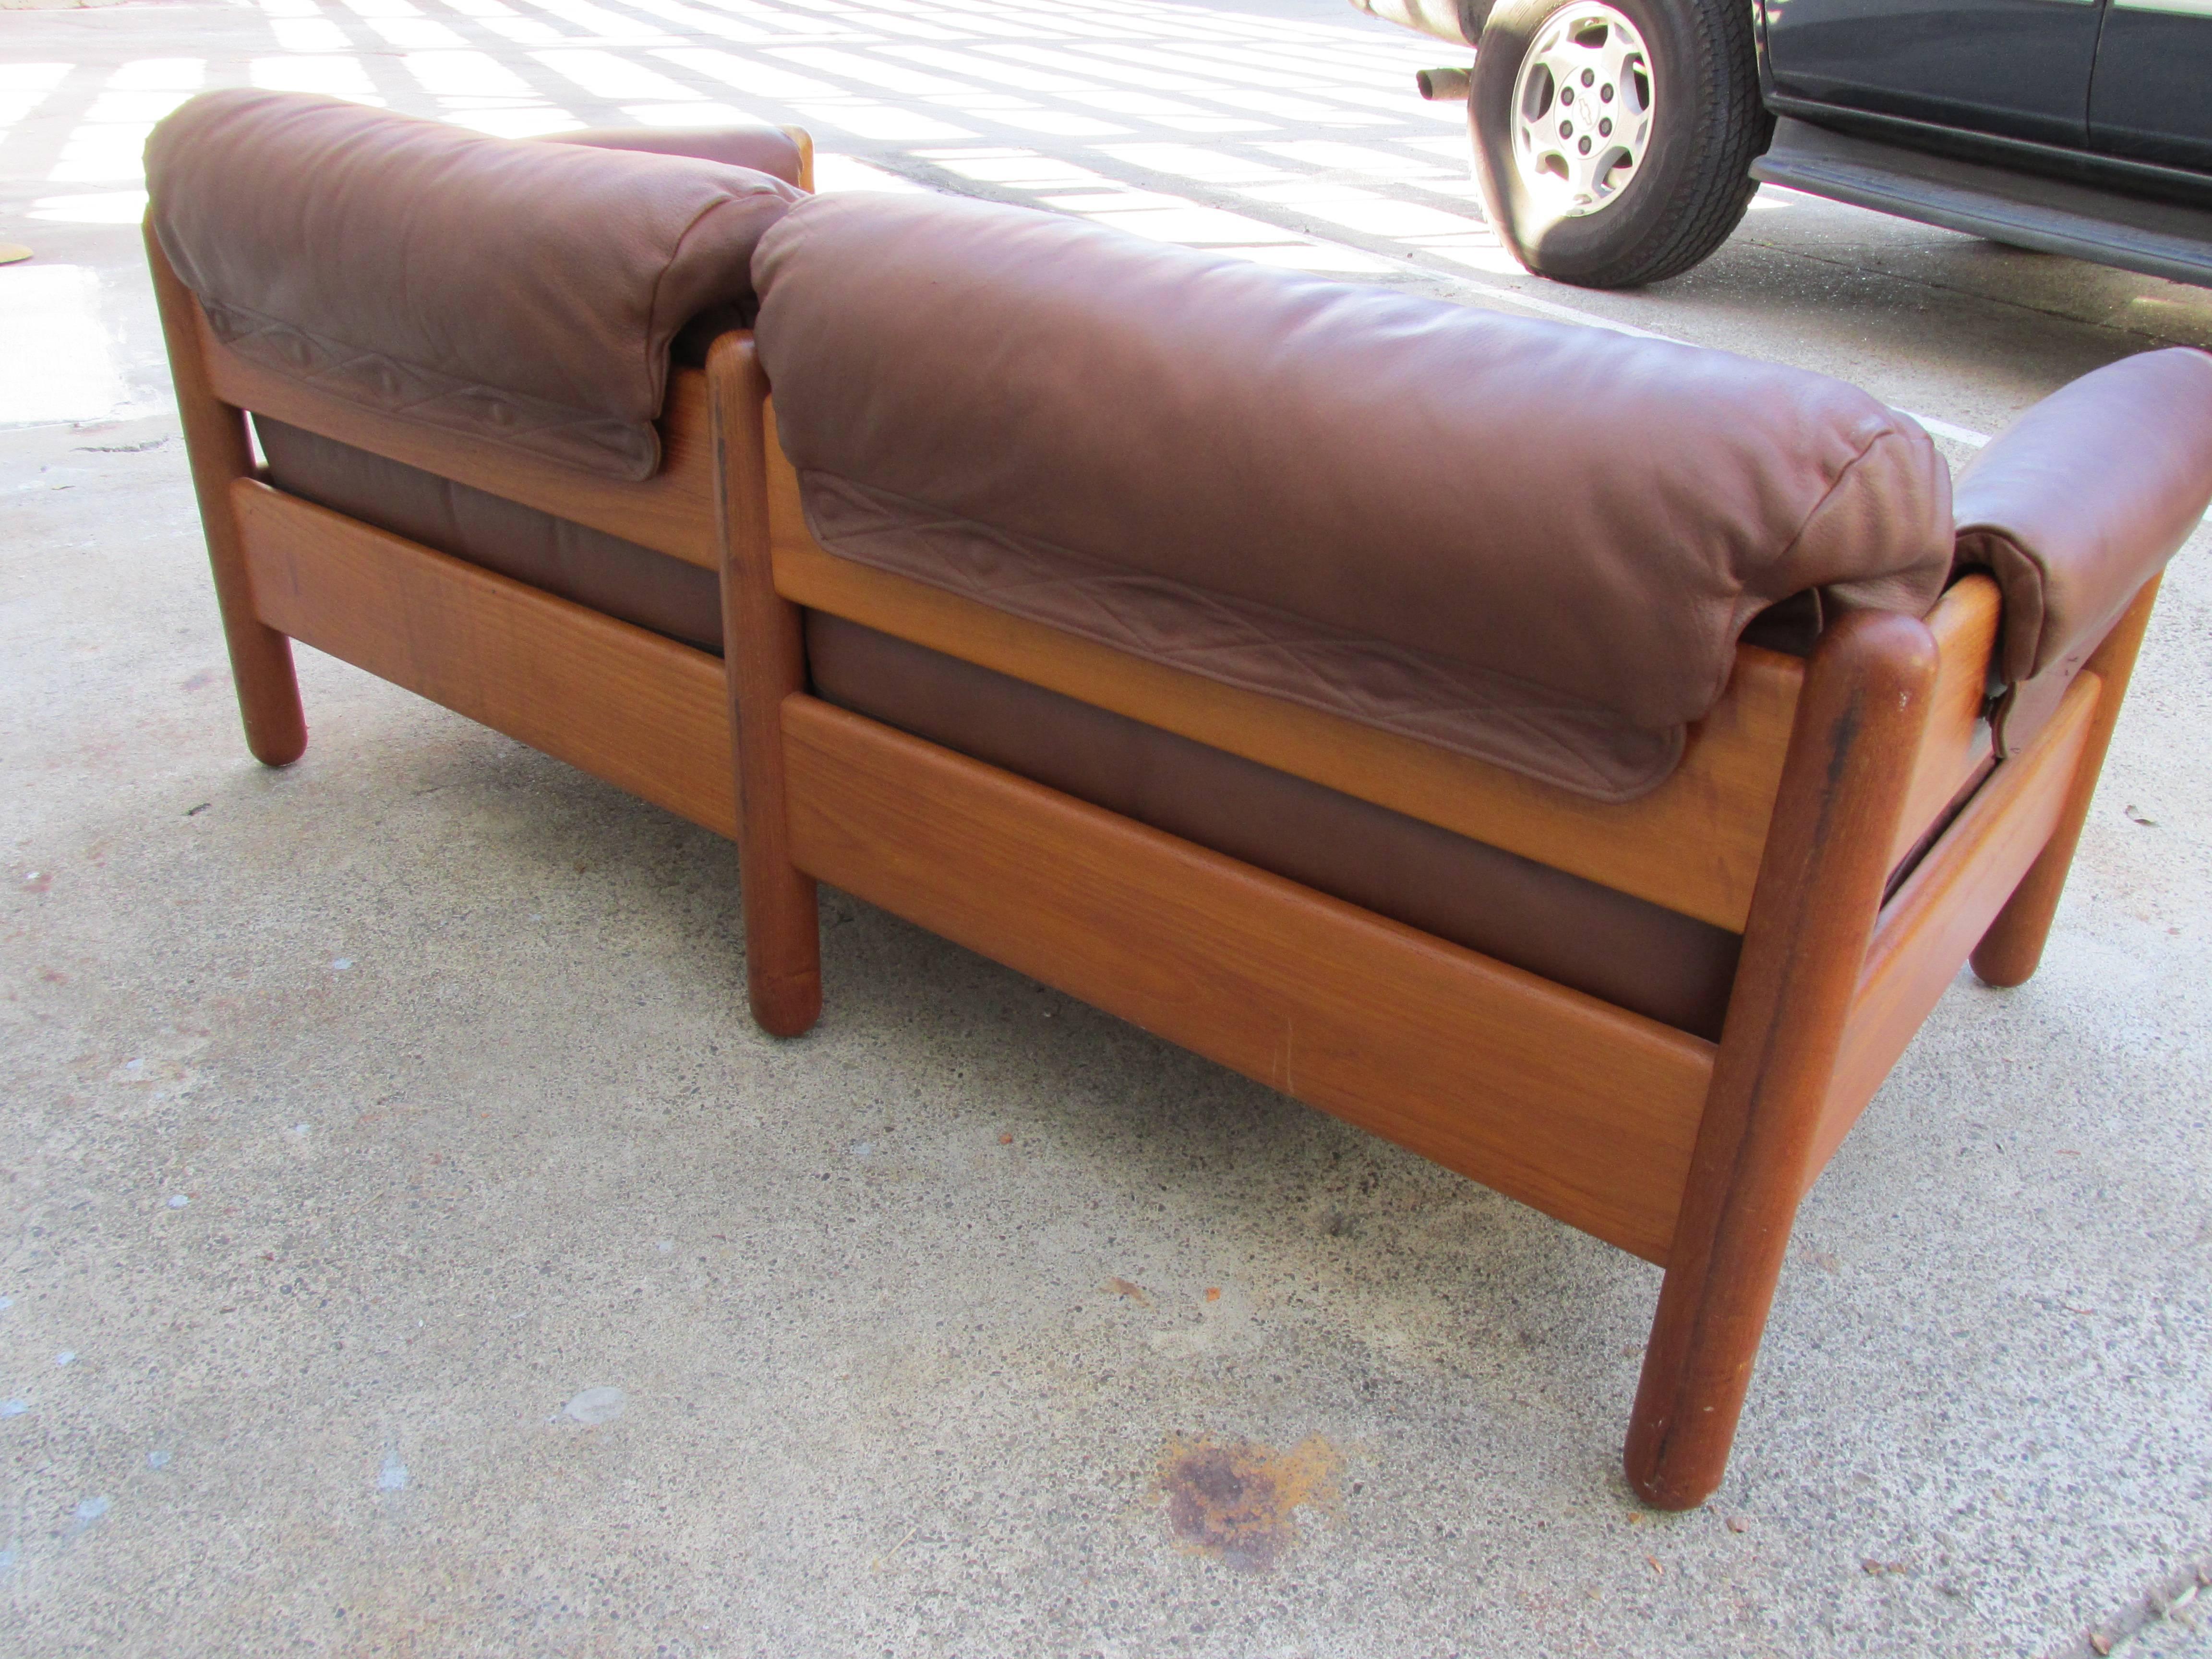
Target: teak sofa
x,y
1583,761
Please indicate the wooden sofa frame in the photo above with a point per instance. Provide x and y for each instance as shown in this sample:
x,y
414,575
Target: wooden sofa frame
x,y
1842,814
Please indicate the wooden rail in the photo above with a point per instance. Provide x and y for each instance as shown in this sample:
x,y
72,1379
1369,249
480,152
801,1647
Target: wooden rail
x,y
1564,1102
644,713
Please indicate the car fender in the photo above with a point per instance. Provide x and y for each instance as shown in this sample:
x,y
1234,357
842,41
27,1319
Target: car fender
x,y
1457,20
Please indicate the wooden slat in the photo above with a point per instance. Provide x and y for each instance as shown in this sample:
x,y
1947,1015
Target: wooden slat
x,y
644,713
1548,1096
1928,928
1957,739
673,510
1693,844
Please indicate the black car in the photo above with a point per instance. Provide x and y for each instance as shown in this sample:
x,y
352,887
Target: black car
x,y
1618,142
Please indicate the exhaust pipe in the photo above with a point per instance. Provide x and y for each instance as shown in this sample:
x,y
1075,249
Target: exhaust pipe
x,y
1442,85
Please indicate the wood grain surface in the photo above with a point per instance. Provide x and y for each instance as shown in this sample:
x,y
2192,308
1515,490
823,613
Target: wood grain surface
x,y
766,663
1957,739
642,711
2008,953
1552,1097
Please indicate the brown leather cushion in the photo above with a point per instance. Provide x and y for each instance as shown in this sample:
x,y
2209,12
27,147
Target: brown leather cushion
x,y
514,290
2076,504
1577,932
635,584
1595,515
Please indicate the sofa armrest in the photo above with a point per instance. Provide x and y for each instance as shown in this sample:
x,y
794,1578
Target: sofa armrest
x,y
762,148
2075,506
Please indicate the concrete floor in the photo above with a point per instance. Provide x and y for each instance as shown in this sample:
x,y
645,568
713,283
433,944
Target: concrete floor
x,y
415,1249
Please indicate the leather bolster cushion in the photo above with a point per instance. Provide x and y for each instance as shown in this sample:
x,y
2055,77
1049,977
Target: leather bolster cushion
x,y
2075,507
1032,401
509,288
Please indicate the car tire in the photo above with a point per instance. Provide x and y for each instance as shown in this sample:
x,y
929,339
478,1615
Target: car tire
x,y
1674,84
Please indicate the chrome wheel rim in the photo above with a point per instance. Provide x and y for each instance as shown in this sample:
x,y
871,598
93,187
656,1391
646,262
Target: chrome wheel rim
x,y
1581,109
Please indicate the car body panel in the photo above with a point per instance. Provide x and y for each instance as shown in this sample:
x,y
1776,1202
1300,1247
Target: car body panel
x,y
2160,239
2017,67
2152,96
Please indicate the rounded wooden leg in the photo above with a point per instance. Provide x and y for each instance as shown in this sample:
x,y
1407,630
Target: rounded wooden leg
x,y
783,948
1819,890
2011,950
1696,1370
268,692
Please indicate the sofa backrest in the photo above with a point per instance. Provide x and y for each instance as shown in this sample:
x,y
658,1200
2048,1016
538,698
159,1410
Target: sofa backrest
x,y
1595,515
514,290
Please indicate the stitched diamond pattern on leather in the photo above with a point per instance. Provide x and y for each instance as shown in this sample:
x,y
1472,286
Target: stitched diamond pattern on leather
x,y
1508,722
595,443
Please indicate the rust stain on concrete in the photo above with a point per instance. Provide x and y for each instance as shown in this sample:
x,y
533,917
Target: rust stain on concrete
x,y
1237,1500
